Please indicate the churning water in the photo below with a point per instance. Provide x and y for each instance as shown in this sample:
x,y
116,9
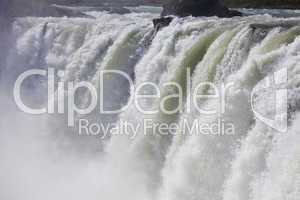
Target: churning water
x,y
41,158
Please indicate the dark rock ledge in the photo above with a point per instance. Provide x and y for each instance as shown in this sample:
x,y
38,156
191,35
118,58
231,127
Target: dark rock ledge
x,y
196,8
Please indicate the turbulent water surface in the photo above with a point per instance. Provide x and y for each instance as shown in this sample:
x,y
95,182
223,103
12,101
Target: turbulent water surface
x,y
41,158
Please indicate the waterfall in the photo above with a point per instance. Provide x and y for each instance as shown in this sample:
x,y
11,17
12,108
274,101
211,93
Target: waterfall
x,y
50,156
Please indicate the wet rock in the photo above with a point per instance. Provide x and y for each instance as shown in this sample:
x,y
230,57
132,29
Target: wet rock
x,y
161,22
196,8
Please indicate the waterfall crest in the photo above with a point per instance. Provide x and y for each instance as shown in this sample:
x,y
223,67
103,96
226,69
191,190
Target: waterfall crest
x,y
256,162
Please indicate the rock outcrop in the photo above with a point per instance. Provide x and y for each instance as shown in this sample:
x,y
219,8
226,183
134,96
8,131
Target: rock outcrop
x,y
196,8
161,22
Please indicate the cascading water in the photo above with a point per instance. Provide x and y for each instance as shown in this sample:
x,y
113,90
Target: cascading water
x,y
42,158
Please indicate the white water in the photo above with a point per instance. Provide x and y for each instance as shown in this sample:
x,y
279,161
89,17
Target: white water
x,y
41,158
